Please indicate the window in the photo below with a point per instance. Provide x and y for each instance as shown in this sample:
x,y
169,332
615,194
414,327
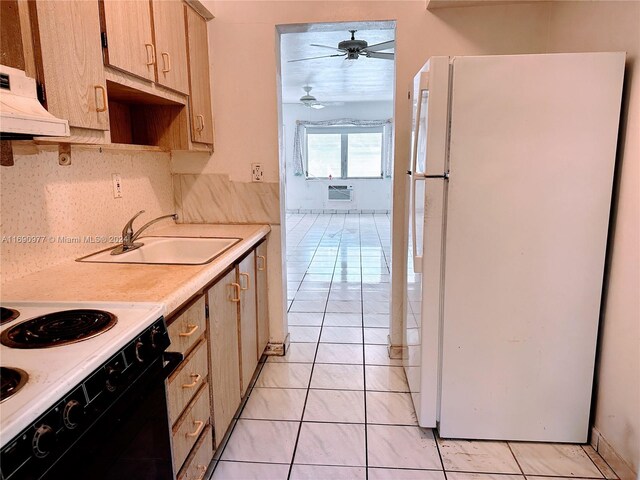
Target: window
x,y
344,152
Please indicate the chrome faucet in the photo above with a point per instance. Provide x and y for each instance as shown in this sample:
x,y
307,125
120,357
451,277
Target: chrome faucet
x,y
129,238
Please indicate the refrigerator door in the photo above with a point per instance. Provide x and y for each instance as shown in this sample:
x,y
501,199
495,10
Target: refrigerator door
x,y
532,153
426,213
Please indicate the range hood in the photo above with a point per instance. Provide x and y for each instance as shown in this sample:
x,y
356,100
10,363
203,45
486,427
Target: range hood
x,y
21,114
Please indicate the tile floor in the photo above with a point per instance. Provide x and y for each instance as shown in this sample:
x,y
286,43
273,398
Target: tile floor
x,y
336,407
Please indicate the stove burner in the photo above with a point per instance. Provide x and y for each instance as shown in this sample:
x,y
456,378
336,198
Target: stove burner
x,y
11,380
58,328
8,314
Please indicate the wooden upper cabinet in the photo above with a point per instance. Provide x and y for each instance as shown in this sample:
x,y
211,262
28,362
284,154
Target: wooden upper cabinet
x,y
130,47
199,84
171,44
69,61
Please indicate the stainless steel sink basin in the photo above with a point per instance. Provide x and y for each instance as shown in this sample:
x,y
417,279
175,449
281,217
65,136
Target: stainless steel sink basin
x,y
168,251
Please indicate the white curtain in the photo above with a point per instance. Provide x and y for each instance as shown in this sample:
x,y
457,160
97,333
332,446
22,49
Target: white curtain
x,y
300,144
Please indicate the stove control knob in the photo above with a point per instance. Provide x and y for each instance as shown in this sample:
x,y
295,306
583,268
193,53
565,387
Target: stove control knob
x,y
72,414
113,379
156,338
43,441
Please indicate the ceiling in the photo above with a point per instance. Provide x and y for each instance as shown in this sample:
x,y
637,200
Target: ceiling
x,y
367,79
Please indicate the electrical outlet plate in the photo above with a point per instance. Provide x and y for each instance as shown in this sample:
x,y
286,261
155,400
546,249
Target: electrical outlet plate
x,y
117,185
257,173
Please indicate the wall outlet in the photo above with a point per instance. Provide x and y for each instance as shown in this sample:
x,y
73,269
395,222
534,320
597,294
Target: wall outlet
x,y
117,185
257,173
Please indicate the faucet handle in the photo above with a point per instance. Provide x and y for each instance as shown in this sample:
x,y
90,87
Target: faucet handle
x,y
127,231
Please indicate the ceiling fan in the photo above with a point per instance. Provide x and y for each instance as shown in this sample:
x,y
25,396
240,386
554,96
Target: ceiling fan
x,y
352,49
309,100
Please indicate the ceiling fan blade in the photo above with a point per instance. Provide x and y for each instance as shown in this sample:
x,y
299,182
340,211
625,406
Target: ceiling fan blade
x,y
381,46
386,56
313,58
317,106
325,46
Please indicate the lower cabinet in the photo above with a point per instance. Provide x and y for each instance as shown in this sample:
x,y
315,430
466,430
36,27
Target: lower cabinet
x,y
224,364
246,271
262,309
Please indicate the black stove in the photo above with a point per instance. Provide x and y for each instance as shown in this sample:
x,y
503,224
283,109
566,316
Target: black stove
x,y
58,328
7,315
11,380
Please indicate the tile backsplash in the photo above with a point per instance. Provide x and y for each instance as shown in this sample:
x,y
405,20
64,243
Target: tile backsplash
x,y
50,213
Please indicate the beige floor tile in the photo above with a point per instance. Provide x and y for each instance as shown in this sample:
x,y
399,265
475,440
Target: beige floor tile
x,y
262,441
477,456
284,375
376,336
296,353
388,379
390,408
562,460
604,468
304,334
331,443
339,353
402,447
337,377
404,474
483,476
308,306
340,406
379,355
275,404
341,335
322,472
376,320
307,319
342,319
250,471
340,306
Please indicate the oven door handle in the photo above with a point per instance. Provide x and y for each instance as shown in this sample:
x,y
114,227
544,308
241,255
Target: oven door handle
x,y
172,360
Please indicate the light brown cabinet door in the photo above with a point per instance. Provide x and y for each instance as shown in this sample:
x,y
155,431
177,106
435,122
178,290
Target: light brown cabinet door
x,y
70,62
199,84
130,47
171,44
224,369
248,322
261,294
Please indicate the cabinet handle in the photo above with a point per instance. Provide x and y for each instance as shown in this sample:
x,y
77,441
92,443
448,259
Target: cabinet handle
x,y
192,330
103,93
237,287
151,53
200,425
166,61
246,275
200,123
264,262
196,377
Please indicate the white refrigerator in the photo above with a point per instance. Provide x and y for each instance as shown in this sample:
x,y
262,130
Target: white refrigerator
x,y
511,177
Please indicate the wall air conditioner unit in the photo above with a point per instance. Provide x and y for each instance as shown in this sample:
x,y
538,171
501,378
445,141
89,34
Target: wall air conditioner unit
x,y
340,193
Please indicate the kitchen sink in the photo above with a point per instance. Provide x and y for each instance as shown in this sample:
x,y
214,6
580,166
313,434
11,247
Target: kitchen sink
x,y
168,251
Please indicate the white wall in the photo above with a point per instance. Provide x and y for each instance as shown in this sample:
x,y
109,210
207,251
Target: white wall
x,y
300,193
615,26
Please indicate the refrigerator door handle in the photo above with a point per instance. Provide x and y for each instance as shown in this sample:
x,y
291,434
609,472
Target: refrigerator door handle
x,y
417,260
414,150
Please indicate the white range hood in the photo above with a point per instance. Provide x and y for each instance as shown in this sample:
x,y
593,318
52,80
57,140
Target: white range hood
x,y
21,114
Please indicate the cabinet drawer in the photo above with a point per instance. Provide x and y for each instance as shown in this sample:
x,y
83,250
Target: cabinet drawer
x,y
197,463
184,383
192,423
188,327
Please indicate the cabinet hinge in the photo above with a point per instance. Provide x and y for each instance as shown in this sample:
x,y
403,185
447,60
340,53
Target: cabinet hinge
x,y
103,37
40,92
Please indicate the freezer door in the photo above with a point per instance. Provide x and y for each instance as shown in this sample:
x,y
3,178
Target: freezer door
x,y
533,143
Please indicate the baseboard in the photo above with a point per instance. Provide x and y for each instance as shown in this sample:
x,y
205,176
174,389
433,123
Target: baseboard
x,y
396,352
277,349
609,455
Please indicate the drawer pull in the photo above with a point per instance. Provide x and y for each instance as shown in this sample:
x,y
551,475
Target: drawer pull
x,y
151,53
262,265
200,426
103,93
237,287
245,275
192,330
196,378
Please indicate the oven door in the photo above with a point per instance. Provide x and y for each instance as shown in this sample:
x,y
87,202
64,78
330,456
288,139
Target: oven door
x,y
131,439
